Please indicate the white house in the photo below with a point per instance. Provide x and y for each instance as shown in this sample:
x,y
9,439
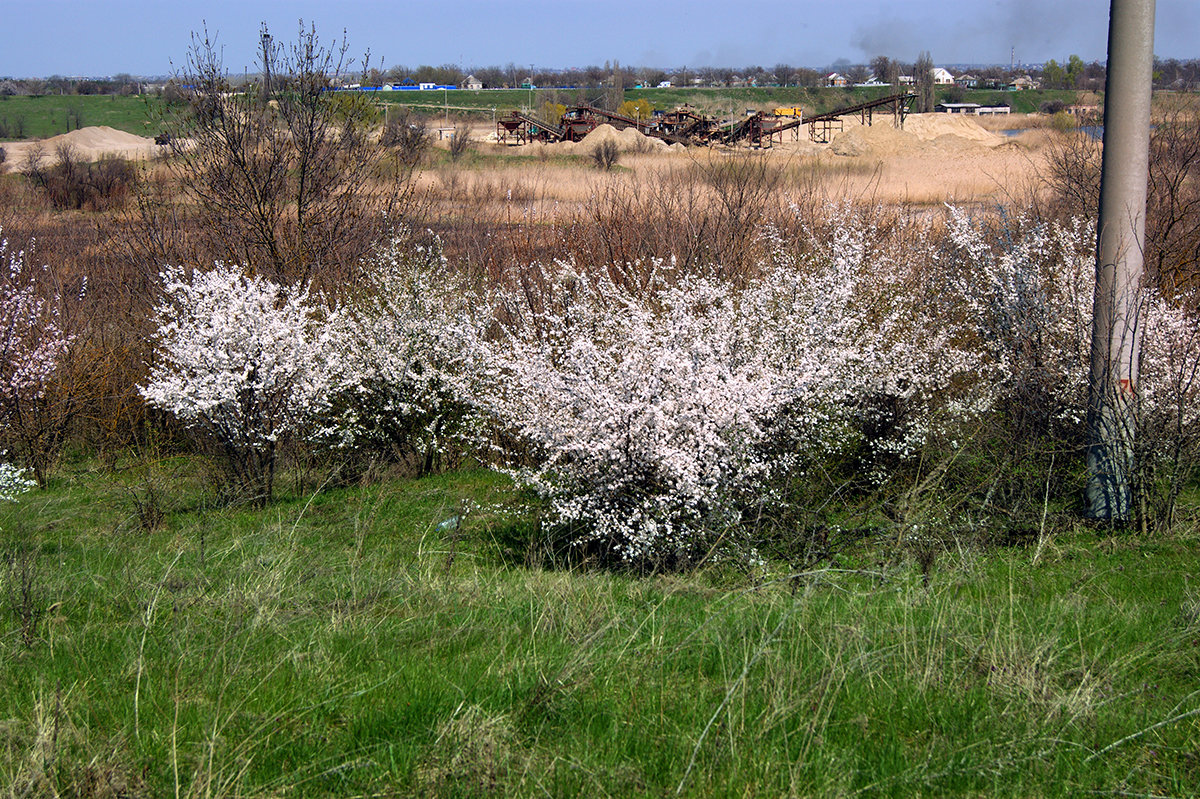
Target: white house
x,y
835,79
473,83
942,78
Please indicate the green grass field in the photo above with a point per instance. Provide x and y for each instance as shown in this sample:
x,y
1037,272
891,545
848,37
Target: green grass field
x,y
50,115
341,642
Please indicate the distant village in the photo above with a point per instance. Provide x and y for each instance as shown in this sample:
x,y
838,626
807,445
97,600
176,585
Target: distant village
x,y
1074,73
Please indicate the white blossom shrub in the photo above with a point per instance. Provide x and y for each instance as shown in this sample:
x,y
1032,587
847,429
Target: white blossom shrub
x,y
1167,438
646,410
13,482
1025,298
1027,302
661,419
665,418
849,319
245,362
659,422
395,384
32,346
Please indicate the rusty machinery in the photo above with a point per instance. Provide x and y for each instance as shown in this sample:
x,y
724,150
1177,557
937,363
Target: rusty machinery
x,y
520,128
687,126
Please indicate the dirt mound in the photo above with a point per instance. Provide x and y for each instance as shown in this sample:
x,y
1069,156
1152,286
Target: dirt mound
x,y
935,133
628,140
101,139
599,135
934,126
875,140
88,144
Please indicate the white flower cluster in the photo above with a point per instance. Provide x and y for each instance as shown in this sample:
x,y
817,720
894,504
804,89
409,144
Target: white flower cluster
x,y
395,382
241,357
1027,301
13,482
646,407
1026,304
663,415
253,363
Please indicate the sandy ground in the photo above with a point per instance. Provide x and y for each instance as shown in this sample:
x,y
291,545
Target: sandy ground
x,y
89,144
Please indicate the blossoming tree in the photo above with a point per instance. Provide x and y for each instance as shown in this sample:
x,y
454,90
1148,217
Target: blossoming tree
x,y
243,361
32,345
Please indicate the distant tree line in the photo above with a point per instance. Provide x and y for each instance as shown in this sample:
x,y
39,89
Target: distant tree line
x,y
1177,75
596,76
1075,73
122,84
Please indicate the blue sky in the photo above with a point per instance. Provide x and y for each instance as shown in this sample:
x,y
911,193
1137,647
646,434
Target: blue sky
x,y
49,37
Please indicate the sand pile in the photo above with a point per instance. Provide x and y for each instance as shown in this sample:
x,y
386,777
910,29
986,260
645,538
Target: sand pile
x,y
628,140
89,144
101,140
932,133
875,140
934,126
599,135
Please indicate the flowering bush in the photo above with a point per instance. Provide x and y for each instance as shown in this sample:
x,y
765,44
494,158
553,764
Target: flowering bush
x,y
1025,298
12,482
243,360
661,418
645,410
395,382
32,345
664,417
1168,405
850,319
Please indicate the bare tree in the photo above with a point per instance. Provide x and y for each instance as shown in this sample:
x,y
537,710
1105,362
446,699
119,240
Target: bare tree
x,y
923,80
858,73
606,154
408,135
886,70
284,185
460,141
616,90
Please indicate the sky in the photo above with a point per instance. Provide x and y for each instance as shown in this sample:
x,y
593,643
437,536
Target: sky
x,y
40,38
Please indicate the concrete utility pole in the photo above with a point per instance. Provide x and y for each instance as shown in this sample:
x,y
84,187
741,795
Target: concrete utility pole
x,y
1121,239
266,64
